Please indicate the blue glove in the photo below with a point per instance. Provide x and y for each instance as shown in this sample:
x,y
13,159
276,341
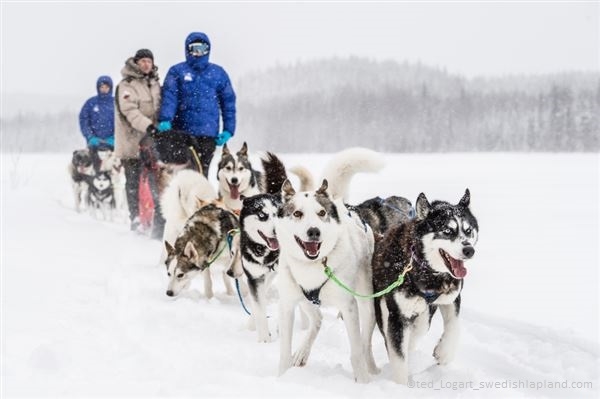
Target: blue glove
x,y
110,141
94,142
223,137
164,126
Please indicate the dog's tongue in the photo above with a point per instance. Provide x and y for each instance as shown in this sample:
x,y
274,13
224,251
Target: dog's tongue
x,y
234,191
458,268
273,243
312,247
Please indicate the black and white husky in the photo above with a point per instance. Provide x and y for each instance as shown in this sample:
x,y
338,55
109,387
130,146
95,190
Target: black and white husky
x,y
81,169
101,200
202,241
435,244
315,229
258,254
237,177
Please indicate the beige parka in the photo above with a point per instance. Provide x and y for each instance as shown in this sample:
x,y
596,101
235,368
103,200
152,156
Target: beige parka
x,y
137,102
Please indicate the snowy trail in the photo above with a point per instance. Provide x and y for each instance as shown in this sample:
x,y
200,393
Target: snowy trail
x,y
84,313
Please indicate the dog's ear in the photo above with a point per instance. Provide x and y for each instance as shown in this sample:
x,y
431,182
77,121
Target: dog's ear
x,y
287,190
201,203
323,189
466,199
190,251
243,152
169,248
219,203
422,207
225,151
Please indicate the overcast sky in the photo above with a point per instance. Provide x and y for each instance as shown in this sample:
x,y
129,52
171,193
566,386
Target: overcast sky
x,y
61,48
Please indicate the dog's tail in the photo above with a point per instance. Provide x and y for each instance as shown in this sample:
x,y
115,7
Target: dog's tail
x,y
345,164
275,174
307,182
180,199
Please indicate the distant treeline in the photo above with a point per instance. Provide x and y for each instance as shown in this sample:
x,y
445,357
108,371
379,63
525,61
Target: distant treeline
x,y
323,106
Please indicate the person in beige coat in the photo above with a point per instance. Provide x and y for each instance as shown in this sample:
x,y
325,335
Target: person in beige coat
x,y
137,101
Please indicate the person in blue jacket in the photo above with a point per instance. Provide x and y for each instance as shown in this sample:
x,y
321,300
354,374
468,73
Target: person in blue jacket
x,y
97,118
196,95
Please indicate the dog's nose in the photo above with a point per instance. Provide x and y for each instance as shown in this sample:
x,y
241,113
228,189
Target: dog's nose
x,y
468,251
314,234
234,180
170,293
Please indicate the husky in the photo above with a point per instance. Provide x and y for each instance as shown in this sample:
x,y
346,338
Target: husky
x,y
101,200
201,242
258,244
111,164
382,213
315,229
185,194
431,250
237,178
81,169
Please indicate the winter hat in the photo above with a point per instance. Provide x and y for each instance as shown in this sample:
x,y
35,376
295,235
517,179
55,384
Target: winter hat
x,y
143,53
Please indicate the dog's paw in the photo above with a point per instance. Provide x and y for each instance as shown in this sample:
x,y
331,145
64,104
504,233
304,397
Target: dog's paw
x,y
264,339
362,377
300,357
444,353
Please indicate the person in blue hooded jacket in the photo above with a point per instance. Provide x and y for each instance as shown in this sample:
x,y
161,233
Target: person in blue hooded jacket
x,y
196,95
97,116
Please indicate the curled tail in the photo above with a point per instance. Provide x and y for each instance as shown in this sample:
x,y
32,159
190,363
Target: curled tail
x,y
275,173
307,182
345,164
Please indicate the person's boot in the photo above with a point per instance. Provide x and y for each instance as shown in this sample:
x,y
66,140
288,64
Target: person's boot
x,y
158,227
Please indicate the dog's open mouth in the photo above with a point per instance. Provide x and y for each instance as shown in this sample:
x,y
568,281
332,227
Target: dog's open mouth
x,y
234,190
272,242
311,248
456,267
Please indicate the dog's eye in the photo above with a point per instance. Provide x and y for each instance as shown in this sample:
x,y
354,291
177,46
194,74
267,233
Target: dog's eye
x,y
447,231
262,216
180,275
322,213
298,214
241,168
228,168
468,231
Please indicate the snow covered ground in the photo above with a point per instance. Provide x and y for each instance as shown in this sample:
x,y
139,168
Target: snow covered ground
x,y
84,310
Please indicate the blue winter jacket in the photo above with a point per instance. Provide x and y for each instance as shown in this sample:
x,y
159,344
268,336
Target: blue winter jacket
x,y
196,93
97,117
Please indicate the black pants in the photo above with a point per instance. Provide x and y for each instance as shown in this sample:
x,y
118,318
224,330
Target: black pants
x,y
133,170
205,148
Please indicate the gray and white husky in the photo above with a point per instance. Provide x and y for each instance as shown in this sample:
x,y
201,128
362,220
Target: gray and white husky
x,y
81,169
237,178
315,229
202,242
435,244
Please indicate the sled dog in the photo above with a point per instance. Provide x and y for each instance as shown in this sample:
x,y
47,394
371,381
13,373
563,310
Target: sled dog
x,y
258,245
435,245
237,178
179,201
81,169
202,240
315,229
111,164
101,200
